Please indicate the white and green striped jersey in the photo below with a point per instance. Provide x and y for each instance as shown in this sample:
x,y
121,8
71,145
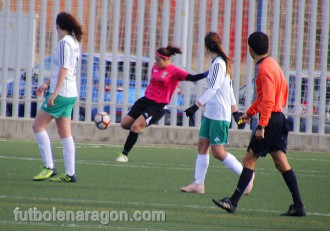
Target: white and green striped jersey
x,y
220,95
66,55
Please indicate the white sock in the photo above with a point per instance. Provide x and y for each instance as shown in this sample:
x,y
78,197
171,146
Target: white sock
x,y
45,149
233,164
69,155
202,163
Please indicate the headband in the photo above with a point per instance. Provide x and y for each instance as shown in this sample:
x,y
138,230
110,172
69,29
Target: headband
x,y
162,56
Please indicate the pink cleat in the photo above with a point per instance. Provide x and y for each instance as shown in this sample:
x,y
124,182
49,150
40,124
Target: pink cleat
x,y
193,188
249,187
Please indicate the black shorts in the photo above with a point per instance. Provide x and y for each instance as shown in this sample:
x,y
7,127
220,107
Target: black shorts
x,y
151,111
276,136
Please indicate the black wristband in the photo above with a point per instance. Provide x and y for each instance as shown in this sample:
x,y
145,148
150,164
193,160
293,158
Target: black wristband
x,y
260,127
195,107
235,113
236,116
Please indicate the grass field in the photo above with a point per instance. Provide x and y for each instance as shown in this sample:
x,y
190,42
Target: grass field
x,y
150,181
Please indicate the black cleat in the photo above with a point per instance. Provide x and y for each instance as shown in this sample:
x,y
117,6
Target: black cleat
x,y
295,212
225,204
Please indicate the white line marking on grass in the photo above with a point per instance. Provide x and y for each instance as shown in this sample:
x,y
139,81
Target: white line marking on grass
x,y
183,167
167,205
309,159
78,226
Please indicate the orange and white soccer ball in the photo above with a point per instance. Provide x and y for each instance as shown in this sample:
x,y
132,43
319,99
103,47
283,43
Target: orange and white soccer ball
x,y
102,120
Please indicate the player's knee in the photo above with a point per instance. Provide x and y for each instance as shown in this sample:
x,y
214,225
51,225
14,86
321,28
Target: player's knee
x,y
249,162
279,167
36,127
137,128
220,155
125,126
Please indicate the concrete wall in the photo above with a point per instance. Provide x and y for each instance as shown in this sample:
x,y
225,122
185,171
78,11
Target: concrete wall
x,y
162,135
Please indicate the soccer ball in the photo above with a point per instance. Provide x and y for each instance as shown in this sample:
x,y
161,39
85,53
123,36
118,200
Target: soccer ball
x,y
102,120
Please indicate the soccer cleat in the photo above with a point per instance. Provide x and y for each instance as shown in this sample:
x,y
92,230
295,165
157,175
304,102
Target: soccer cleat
x,y
295,211
249,187
193,188
64,178
122,158
225,204
45,173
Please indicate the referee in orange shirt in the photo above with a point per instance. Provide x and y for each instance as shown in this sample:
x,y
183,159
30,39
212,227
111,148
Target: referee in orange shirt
x,y
271,134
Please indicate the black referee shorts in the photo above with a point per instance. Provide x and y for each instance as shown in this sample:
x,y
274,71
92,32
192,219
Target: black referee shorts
x,y
276,136
151,111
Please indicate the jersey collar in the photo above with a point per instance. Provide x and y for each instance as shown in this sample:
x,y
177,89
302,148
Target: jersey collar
x,y
262,59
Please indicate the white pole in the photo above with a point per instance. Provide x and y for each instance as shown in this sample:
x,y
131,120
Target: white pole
x,y
68,6
76,112
139,49
226,26
264,16
127,51
114,64
103,49
300,46
90,63
31,39
249,60
287,44
238,42
200,57
5,59
18,60
275,34
215,16
42,49
178,32
165,22
311,65
187,85
324,65
165,31
152,41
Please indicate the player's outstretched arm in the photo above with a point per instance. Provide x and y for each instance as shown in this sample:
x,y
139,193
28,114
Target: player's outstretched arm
x,y
197,77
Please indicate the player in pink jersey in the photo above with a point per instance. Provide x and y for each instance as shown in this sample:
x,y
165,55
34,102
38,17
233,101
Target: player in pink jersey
x,y
151,108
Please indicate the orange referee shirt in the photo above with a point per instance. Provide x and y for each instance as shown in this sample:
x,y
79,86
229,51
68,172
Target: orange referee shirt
x,y
272,90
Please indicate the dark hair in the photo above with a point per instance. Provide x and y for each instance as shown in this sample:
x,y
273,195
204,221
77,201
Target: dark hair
x,y
69,23
258,41
169,51
213,43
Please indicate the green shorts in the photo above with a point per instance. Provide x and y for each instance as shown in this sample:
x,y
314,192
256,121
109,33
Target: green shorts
x,y
62,108
214,130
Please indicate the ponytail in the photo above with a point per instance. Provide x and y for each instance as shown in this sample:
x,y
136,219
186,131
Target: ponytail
x,y
168,51
213,44
69,23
